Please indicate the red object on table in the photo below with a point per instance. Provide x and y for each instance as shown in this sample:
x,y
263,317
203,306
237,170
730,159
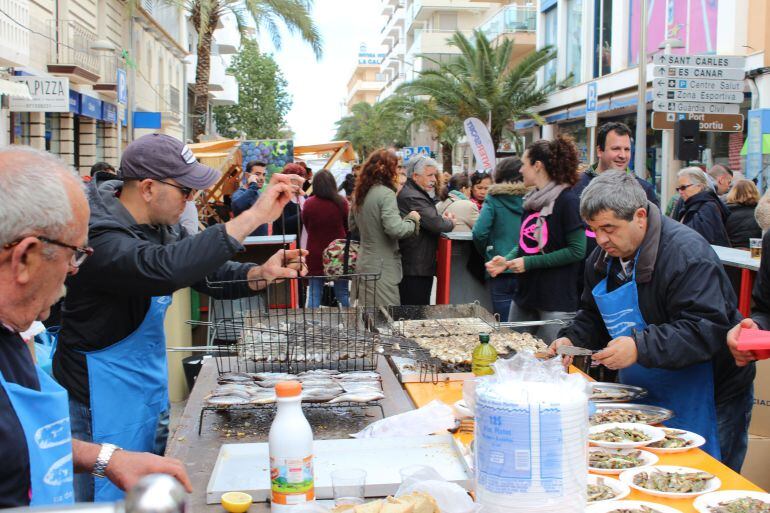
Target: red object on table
x,y
744,298
756,341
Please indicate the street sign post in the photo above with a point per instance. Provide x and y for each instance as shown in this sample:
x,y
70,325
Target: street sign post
x,y
754,145
684,95
708,122
694,84
701,73
711,61
410,151
591,101
697,108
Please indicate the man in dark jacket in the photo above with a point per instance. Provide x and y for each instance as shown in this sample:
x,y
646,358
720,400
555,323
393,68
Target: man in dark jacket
x,y
657,304
418,253
111,349
244,198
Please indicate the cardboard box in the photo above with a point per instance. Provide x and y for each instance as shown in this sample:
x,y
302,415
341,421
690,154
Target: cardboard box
x,y
756,467
760,415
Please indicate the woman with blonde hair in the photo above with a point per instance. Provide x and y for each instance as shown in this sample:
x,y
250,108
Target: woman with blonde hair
x,y
741,225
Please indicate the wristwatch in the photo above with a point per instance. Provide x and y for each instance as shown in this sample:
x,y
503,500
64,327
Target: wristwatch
x,y
105,454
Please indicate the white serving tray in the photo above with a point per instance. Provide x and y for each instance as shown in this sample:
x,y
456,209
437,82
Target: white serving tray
x,y
245,467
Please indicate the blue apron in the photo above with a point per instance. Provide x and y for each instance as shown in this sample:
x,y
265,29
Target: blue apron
x,y
689,392
45,419
128,383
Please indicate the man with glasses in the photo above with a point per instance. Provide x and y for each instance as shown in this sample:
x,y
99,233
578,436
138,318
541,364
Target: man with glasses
x,y
43,239
111,354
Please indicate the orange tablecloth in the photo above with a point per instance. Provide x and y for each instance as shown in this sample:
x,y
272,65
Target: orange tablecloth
x,y
451,391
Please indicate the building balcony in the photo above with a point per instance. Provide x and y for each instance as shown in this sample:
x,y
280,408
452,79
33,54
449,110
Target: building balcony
x,y
228,39
363,86
388,6
393,58
217,72
14,40
108,71
169,105
434,41
422,10
71,55
228,95
395,18
511,20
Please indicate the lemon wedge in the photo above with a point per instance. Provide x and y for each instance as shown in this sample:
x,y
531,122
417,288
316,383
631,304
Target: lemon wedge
x,y
236,502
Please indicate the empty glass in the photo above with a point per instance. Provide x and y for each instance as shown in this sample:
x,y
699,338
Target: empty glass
x,y
348,485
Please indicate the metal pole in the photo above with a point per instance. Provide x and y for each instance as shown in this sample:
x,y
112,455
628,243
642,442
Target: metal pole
x,y
131,106
641,106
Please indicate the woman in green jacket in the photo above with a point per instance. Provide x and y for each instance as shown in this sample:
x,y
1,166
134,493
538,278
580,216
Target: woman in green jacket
x,y
376,218
496,231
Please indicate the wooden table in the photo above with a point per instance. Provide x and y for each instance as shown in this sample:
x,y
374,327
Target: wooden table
x,y
451,391
199,453
749,266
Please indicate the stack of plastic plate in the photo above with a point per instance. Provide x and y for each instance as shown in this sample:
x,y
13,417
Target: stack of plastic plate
x,y
531,447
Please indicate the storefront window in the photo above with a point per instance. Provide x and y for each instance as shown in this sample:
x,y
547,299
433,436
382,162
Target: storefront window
x,y
52,133
20,128
603,38
574,39
550,40
99,149
578,131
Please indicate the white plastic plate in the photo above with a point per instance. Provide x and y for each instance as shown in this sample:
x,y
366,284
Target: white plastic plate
x,y
627,477
647,457
621,489
609,506
655,434
695,438
704,502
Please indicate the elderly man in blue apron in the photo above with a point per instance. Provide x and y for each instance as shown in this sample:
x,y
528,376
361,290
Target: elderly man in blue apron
x,y
111,354
43,235
657,305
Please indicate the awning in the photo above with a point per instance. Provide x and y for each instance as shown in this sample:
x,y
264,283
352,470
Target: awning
x,y
219,146
15,89
347,155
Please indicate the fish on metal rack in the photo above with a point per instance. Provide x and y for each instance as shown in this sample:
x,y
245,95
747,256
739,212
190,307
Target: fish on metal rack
x,y
235,377
274,376
320,395
226,400
356,397
358,376
361,387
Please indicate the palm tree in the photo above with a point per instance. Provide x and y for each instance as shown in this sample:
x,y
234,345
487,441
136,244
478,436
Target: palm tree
x,y
263,14
481,82
369,127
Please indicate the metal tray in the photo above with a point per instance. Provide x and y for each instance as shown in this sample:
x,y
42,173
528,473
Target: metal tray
x,y
630,393
662,414
245,467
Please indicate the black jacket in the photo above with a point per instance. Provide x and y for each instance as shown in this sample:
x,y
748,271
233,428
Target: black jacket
x,y
590,173
684,296
109,297
741,225
706,214
418,253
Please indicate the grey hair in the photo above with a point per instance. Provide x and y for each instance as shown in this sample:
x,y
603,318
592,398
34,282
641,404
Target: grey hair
x,y
616,191
696,176
718,170
33,193
417,164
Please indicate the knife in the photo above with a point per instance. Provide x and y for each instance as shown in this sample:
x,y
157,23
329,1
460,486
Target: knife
x,y
573,351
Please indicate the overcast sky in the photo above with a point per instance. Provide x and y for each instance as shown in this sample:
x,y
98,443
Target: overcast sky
x,y
319,88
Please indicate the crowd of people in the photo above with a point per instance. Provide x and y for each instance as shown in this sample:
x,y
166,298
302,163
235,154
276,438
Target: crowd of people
x,y
644,290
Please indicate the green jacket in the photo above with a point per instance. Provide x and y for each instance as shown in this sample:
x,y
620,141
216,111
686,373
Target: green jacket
x,y
496,231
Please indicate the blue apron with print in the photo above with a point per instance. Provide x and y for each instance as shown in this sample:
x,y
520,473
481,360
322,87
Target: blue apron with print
x,y
688,392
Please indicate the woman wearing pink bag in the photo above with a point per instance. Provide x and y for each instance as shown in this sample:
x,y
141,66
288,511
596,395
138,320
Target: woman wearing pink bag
x,y
552,240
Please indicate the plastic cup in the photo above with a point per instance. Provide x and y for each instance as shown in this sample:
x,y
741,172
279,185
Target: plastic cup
x,y
348,485
755,247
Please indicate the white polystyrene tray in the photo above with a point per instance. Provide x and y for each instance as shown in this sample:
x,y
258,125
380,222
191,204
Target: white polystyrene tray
x,y
245,467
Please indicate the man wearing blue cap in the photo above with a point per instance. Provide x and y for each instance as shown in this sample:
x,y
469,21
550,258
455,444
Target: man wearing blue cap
x,y
111,354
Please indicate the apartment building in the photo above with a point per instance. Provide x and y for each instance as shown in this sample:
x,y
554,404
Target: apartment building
x,y
598,42
366,81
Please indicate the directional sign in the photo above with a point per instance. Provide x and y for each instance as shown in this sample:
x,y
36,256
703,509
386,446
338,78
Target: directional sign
x,y
699,84
711,61
708,122
693,72
591,100
695,108
684,95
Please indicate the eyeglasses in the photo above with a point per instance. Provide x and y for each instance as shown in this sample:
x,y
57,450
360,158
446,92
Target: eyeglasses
x,y
681,188
187,191
79,255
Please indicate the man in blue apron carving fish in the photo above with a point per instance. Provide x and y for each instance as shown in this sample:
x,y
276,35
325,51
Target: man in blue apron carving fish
x,y
43,237
111,354
658,305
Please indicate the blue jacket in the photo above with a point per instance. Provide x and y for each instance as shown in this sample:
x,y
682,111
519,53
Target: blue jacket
x,y
496,231
244,199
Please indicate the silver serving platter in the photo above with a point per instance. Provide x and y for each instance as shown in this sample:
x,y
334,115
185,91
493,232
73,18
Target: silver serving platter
x,y
629,393
661,414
